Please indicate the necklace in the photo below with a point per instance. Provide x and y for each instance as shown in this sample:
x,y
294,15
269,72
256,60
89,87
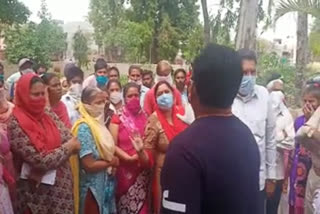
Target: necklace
x,y
215,115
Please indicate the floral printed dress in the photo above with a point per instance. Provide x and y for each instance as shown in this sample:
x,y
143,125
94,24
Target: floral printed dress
x,y
49,199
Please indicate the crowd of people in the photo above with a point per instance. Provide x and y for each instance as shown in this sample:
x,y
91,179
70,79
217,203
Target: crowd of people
x,y
206,140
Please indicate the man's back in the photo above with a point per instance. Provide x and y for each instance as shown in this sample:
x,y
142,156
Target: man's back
x,y
212,167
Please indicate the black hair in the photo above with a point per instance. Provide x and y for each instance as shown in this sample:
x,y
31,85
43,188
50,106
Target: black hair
x,y
101,60
163,82
35,80
116,69
100,64
73,72
113,81
246,54
180,70
146,73
67,67
134,67
217,76
47,77
313,89
128,86
36,67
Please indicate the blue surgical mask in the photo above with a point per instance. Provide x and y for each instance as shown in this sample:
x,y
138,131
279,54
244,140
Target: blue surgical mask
x,y
101,80
165,101
247,85
1,77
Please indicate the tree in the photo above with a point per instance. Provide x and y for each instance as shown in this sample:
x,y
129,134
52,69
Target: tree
x,y
41,42
302,56
153,15
193,45
80,48
13,11
247,25
168,38
315,38
311,7
223,23
105,16
206,21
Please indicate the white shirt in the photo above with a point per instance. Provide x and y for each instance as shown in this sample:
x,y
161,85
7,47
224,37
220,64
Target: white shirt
x,y
143,92
90,81
285,140
257,114
71,105
11,81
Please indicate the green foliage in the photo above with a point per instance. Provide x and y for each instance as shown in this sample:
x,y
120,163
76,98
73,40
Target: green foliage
x,y
194,43
41,42
169,40
222,25
13,11
80,49
311,7
123,80
314,38
272,63
153,27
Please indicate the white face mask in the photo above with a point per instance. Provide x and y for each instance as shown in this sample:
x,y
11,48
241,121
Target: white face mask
x,y
115,97
26,71
139,82
168,79
75,91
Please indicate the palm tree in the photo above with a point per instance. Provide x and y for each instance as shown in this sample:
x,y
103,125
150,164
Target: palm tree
x,y
311,7
206,21
304,8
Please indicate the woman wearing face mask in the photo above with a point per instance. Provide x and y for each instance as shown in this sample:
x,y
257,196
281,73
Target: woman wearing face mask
x,y
114,90
97,159
132,177
162,126
41,146
301,163
54,97
163,73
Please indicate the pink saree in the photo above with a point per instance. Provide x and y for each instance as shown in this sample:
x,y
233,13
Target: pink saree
x,y
133,180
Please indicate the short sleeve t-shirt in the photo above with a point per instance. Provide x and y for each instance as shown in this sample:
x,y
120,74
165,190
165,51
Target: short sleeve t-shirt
x,y
212,167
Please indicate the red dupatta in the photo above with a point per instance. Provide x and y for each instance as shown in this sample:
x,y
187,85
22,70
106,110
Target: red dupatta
x,y
30,113
178,126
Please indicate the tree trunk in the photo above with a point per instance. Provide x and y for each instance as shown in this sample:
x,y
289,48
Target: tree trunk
x,y
206,21
302,55
247,25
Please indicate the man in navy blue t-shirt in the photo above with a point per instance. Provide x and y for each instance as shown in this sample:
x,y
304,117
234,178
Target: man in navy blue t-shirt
x,y
213,166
